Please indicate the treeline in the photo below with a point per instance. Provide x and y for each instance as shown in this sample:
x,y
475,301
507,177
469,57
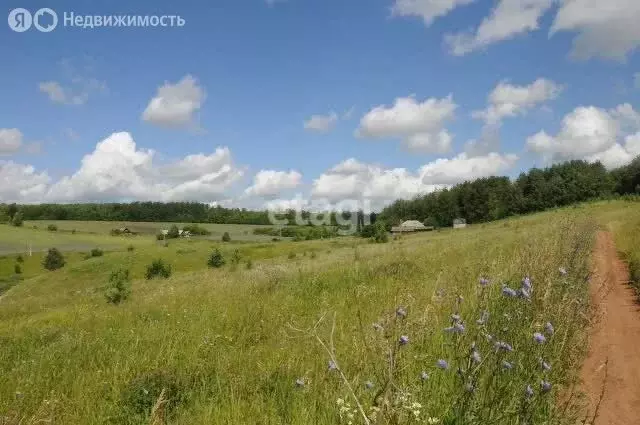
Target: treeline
x,y
173,212
493,198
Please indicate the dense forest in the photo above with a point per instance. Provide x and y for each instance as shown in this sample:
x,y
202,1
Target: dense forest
x,y
484,199
493,198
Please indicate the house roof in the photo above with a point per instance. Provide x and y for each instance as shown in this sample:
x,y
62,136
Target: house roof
x,y
412,223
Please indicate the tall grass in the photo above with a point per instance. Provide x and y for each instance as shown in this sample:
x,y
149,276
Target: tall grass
x,y
243,346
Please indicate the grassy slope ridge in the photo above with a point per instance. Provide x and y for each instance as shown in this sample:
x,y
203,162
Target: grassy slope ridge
x,y
226,342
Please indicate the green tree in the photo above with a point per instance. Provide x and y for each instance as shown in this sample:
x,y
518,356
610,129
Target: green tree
x,y
226,237
119,287
216,260
54,260
12,210
17,219
174,232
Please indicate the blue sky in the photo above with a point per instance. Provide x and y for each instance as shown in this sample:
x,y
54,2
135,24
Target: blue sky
x,y
251,74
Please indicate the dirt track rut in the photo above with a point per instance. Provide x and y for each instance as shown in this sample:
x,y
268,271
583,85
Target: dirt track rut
x,y
611,372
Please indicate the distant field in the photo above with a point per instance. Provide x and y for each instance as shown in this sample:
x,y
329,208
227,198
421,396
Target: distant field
x,y
237,231
236,345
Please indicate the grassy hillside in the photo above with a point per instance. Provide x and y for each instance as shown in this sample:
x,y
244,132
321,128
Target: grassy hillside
x,y
242,345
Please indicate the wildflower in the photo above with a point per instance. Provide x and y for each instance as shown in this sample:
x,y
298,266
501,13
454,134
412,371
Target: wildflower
x,y
442,364
469,387
339,402
484,281
300,382
524,293
483,318
424,376
378,327
475,356
368,385
506,365
526,283
433,421
539,338
545,366
455,317
508,292
404,340
549,328
456,328
501,345
562,271
332,365
401,312
528,391
545,386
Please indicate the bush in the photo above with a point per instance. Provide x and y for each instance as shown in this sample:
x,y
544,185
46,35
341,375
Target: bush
x,y
158,269
119,287
17,220
381,235
226,237
249,264
97,252
194,229
131,248
159,237
368,231
313,254
52,228
73,231
235,258
54,260
291,255
216,260
19,259
17,269
174,232
141,394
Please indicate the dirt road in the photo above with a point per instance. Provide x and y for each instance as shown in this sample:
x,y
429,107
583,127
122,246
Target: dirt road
x,y
611,372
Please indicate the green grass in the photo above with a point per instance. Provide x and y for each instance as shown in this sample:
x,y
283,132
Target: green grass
x,y
240,232
230,343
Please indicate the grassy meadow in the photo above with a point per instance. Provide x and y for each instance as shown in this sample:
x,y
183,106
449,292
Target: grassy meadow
x,y
440,327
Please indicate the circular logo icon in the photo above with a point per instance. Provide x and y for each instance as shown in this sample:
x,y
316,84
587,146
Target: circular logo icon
x,y
45,20
20,20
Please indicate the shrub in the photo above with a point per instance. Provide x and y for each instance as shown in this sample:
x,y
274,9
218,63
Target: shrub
x,y
249,264
17,220
73,231
313,254
194,229
54,260
52,228
159,237
368,231
158,269
174,232
119,287
275,240
235,258
291,255
97,252
19,259
141,394
216,260
226,237
17,269
131,248
381,235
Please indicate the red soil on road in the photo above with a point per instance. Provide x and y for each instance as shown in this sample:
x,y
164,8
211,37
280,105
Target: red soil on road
x,y
611,372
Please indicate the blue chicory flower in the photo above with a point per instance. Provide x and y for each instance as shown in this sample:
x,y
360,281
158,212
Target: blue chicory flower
x,y
549,328
404,340
545,386
539,338
442,364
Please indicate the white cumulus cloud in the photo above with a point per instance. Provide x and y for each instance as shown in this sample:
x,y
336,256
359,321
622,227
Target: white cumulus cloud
x,y
428,10
592,134
604,28
420,125
175,105
22,183
10,140
508,100
508,19
270,183
321,123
